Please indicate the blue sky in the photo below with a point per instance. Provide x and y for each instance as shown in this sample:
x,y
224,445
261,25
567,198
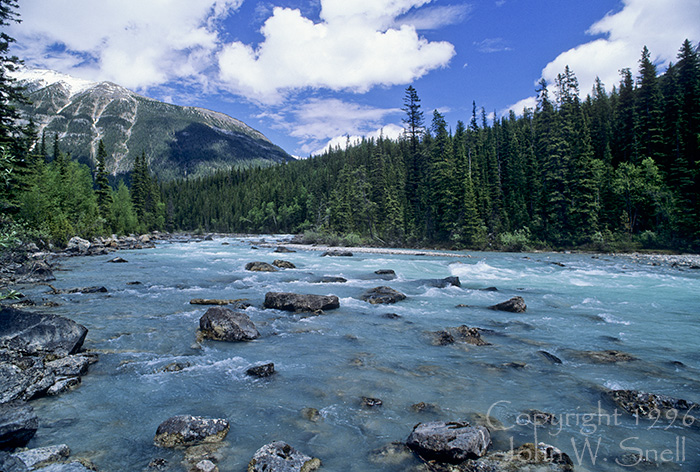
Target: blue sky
x,y
309,73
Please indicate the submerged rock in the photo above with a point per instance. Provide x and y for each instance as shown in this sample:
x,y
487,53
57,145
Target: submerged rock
x,y
327,279
185,430
382,294
337,253
238,304
264,370
300,302
514,305
608,357
462,333
224,324
281,457
550,357
443,283
18,424
654,406
283,264
392,454
282,249
370,402
39,334
118,260
260,267
452,442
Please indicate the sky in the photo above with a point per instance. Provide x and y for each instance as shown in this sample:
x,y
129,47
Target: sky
x,y
314,73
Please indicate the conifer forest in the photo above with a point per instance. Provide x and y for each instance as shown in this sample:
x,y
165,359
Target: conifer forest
x,y
618,168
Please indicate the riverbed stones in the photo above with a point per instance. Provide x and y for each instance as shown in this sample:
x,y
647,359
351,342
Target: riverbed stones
x,y
40,334
186,430
381,295
224,324
300,302
260,267
18,424
77,245
237,304
279,456
526,458
514,305
451,442
609,356
283,264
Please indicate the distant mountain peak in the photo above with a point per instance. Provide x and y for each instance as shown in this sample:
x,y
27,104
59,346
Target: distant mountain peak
x,y
178,141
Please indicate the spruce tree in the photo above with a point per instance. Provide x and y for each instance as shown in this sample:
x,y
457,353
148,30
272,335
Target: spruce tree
x,y
102,188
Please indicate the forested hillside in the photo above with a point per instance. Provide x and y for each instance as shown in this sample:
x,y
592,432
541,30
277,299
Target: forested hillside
x,y
618,166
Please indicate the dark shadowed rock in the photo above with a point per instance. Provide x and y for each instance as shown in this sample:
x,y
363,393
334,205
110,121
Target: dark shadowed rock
x,y
186,430
452,442
370,402
10,463
35,272
550,357
442,283
224,324
264,370
118,260
281,457
300,302
383,294
462,333
283,264
514,305
260,267
18,424
71,365
34,333
238,304
386,274
282,249
327,279
337,253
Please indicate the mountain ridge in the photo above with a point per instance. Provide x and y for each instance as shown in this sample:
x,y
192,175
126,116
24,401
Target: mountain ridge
x,y
179,141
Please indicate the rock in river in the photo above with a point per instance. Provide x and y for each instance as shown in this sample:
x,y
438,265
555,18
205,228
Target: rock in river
x,y
528,457
186,430
300,302
260,267
383,294
337,253
281,457
18,424
283,264
514,305
261,371
224,324
34,333
654,406
452,442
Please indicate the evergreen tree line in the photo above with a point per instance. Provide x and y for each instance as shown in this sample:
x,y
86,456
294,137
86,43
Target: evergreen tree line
x,y
617,166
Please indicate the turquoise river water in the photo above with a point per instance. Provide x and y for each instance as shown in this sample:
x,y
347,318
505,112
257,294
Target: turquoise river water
x,y
330,361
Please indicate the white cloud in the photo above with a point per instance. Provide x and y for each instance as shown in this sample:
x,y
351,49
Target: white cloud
x,y
352,48
391,131
490,45
519,106
134,43
661,25
432,18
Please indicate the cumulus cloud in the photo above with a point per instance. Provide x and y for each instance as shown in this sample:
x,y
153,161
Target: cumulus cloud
x,y
353,47
391,131
662,26
435,17
319,123
134,43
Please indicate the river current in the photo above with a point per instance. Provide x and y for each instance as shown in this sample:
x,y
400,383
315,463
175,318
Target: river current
x,y
575,303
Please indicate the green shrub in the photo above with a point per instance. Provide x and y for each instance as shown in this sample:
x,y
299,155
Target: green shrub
x,y
517,241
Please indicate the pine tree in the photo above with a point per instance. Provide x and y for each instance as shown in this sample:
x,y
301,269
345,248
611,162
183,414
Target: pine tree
x,y
649,121
102,188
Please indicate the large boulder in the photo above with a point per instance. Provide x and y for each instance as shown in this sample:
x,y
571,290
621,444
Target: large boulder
x,y
186,430
39,334
300,302
452,442
22,378
383,294
260,267
514,305
18,424
223,324
35,272
42,456
281,457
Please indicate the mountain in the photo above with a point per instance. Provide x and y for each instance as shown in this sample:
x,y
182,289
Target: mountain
x,y
178,141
